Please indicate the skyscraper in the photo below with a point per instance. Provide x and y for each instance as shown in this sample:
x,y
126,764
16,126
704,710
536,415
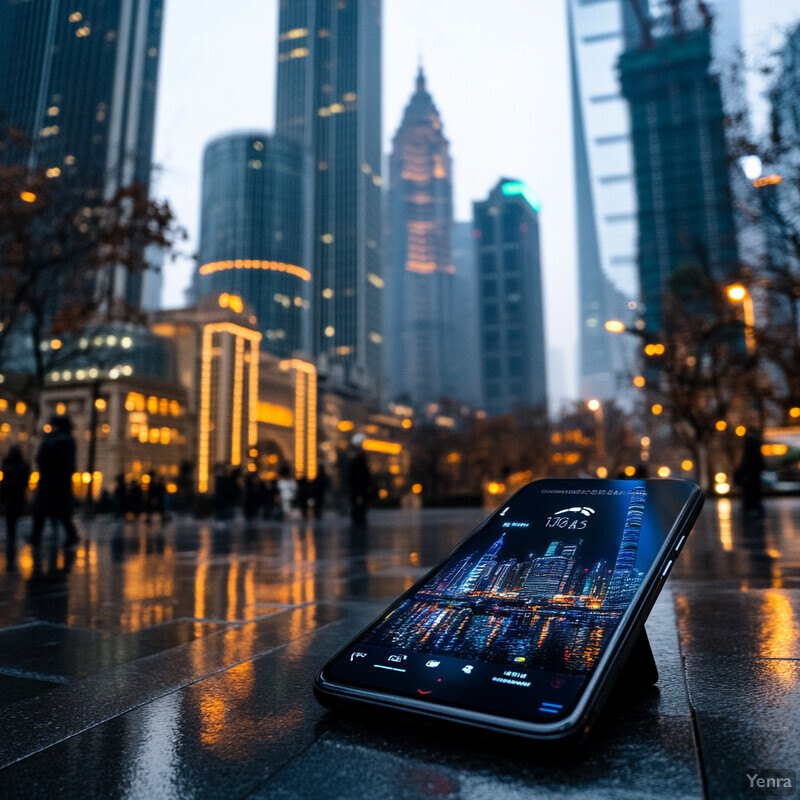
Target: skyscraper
x,y
466,351
625,578
420,276
81,84
329,100
477,572
780,202
511,311
629,544
606,200
685,208
255,233
605,196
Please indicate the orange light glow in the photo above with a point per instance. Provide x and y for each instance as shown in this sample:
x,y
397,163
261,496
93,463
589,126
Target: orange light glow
x,y
380,446
275,266
767,180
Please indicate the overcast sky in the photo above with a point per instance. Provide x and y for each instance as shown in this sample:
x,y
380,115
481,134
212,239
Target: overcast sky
x,y
497,71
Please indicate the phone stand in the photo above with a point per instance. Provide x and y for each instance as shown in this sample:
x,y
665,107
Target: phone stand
x,y
640,668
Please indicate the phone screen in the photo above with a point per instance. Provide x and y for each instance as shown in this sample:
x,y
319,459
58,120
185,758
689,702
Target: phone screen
x,y
516,619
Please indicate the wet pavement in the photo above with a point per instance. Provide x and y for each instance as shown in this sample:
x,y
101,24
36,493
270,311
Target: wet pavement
x,y
176,660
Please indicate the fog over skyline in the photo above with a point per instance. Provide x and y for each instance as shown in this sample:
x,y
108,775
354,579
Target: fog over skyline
x,y
498,74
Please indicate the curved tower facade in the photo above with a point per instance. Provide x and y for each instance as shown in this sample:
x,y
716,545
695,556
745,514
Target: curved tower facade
x,y
255,234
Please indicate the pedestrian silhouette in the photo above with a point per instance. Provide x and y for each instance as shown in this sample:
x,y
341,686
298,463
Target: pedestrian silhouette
x,y
12,491
287,489
56,462
120,497
156,497
359,479
135,499
748,476
253,495
303,495
319,488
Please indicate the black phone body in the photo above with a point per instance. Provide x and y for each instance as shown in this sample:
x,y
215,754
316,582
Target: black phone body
x,y
524,627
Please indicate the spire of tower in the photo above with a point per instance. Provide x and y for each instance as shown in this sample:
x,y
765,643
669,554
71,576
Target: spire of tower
x,y
420,77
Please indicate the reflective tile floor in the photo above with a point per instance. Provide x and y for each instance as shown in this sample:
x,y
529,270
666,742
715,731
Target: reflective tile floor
x,y
175,660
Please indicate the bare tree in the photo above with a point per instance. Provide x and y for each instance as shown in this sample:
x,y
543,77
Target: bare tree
x,y
65,253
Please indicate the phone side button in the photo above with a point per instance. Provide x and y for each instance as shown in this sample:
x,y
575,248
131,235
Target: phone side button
x,y
680,542
666,569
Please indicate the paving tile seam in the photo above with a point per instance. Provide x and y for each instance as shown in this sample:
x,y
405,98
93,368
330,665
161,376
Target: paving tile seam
x,y
25,625
263,783
698,748
167,693
35,676
109,673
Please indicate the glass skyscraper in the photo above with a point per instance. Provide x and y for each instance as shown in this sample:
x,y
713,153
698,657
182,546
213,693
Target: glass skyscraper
x,y
329,100
605,195
682,175
510,289
255,233
80,82
420,283
606,200
466,351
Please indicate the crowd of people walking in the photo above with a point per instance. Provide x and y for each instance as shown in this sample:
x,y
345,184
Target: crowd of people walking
x,y
284,497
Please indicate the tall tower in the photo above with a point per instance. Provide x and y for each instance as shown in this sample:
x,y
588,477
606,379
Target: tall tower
x,y
682,180
329,100
605,196
511,309
466,358
780,202
80,82
625,578
254,233
605,178
475,574
629,545
418,312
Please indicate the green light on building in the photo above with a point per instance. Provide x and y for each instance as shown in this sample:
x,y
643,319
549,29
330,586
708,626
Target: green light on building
x,y
518,187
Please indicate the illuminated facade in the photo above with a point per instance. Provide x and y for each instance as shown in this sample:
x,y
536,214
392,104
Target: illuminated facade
x,y
81,83
329,100
253,411
255,234
305,416
511,307
418,309
227,426
129,426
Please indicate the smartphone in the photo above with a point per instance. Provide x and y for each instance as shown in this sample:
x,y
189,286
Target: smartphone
x,y
524,627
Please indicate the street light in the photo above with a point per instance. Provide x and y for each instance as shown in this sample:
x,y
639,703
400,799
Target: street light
x,y
738,294
596,407
615,326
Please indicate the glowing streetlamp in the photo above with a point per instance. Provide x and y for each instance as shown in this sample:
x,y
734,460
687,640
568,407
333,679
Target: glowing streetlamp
x,y
615,326
596,407
738,294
